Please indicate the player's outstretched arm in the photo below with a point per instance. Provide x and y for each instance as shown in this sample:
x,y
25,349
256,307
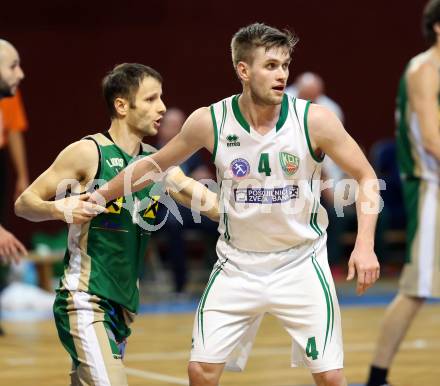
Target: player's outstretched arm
x,y
197,132
423,89
10,248
192,194
73,168
329,136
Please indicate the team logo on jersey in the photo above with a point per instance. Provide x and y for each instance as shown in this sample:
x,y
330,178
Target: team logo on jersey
x,y
232,140
289,163
240,167
115,206
153,207
115,162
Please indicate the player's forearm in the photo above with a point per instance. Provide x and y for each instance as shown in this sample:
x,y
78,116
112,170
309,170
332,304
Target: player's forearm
x,y
367,209
31,207
197,197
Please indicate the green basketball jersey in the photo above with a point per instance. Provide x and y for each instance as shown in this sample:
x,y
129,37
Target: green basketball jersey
x,y
104,256
413,159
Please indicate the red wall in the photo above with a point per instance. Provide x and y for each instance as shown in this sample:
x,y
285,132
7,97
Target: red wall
x,y
360,49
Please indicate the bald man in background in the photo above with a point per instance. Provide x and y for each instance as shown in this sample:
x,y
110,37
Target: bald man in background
x,y
310,86
11,75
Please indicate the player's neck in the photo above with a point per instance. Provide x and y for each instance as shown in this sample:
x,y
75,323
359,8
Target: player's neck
x,y
262,117
435,49
125,138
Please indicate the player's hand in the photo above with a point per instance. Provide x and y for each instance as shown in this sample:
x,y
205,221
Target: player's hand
x,y
10,248
363,261
77,209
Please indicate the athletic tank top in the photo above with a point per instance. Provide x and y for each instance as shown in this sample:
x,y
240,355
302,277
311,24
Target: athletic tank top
x,y
414,161
269,184
104,255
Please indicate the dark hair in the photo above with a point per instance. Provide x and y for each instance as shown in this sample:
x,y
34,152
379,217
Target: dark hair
x,y
431,15
124,81
259,35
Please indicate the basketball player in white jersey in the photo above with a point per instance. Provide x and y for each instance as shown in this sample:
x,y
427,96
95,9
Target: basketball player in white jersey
x,y
268,150
418,146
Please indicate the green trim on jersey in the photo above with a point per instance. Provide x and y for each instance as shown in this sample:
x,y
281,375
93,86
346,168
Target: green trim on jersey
x,y
224,111
306,130
217,131
214,151
314,217
238,115
245,125
404,153
328,300
314,214
296,112
226,234
283,112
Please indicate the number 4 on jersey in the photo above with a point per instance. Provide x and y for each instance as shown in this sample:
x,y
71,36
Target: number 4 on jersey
x,y
263,165
311,351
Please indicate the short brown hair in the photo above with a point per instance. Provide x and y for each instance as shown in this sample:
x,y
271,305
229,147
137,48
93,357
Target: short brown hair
x,y
431,15
259,35
124,81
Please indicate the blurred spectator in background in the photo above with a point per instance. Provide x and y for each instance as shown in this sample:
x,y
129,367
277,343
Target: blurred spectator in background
x,y
174,232
13,123
11,75
310,86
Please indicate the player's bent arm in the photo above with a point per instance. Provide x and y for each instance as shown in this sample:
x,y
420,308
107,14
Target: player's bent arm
x,y
197,132
73,168
192,194
423,89
329,136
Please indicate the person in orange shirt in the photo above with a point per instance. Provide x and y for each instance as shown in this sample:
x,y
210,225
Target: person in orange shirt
x,y
11,75
13,123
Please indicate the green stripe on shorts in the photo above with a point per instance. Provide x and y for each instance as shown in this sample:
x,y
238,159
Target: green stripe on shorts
x,y
328,300
62,324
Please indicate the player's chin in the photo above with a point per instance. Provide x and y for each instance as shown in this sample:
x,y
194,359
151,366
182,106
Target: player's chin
x,y
276,98
150,131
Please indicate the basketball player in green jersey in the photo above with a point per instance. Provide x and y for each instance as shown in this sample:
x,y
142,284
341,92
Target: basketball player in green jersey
x,y
98,294
268,150
418,146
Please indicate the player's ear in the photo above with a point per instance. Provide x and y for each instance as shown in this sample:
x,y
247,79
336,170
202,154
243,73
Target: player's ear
x,y
121,106
437,29
243,71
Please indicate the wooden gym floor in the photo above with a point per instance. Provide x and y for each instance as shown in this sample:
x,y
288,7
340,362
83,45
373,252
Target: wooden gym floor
x,y
158,350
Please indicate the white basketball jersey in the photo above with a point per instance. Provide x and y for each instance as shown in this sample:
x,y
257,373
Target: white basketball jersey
x,y
269,184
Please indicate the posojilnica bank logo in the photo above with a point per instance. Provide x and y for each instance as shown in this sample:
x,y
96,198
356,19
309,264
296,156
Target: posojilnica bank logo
x,y
240,167
289,163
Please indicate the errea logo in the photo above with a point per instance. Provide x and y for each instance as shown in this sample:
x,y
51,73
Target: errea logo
x,y
232,140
